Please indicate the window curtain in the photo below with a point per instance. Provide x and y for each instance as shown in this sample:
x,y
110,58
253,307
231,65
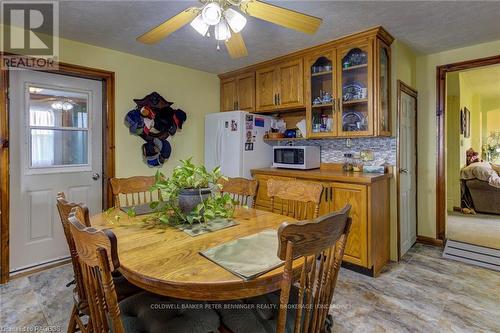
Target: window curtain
x,y
42,140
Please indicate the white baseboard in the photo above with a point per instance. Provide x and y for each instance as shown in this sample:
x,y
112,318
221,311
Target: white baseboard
x,y
472,254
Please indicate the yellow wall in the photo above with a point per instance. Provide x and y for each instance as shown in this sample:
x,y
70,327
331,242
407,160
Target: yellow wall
x,y
403,65
426,86
194,91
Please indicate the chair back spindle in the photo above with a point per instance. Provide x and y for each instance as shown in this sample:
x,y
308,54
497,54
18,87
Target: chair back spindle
x,y
242,190
98,257
133,191
297,199
64,207
321,243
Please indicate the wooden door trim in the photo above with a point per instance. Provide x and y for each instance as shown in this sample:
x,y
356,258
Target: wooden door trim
x,y
404,88
441,72
108,138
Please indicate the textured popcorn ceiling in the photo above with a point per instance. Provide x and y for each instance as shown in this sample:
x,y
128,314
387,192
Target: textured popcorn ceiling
x,y
426,26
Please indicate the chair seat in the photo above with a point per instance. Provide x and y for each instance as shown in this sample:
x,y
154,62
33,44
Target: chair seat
x,y
258,314
124,288
149,313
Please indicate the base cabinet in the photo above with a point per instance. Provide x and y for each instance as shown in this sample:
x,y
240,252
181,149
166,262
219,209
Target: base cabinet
x,y
368,242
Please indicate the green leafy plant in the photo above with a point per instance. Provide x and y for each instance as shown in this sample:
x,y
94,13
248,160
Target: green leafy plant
x,y
187,175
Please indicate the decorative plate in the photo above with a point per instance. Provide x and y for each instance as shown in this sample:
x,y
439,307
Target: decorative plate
x,y
352,91
353,121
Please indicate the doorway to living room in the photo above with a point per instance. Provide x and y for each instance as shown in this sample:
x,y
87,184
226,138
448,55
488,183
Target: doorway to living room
x,y
472,120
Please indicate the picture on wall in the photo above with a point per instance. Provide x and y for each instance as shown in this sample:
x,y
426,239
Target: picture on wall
x,y
466,123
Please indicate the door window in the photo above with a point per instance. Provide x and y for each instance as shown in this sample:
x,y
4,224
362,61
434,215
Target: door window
x,y
58,129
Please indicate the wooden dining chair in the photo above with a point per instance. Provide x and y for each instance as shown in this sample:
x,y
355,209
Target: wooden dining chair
x,y
241,190
302,305
133,190
80,306
144,312
297,199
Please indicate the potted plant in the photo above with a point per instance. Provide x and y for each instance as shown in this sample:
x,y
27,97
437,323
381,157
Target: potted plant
x,y
191,195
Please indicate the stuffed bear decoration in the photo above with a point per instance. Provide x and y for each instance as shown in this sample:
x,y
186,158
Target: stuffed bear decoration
x,y
154,120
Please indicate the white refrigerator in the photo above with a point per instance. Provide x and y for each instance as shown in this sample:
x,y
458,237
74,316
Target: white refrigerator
x,y
235,142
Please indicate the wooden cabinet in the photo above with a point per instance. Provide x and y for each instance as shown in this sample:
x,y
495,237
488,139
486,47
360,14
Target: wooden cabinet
x,y
368,242
238,92
348,90
228,94
280,86
342,88
355,87
265,82
382,87
245,88
321,94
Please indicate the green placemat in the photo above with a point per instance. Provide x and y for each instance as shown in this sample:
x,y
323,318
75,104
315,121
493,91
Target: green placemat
x,y
197,229
247,257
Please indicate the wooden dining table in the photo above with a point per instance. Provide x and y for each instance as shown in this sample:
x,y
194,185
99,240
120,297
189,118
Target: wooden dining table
x,y
167,261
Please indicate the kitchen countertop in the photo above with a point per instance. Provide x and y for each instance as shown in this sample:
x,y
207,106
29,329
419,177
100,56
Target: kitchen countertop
x,y
325,174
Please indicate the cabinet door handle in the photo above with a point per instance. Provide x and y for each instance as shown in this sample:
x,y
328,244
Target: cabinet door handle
x,y
275,99
237,105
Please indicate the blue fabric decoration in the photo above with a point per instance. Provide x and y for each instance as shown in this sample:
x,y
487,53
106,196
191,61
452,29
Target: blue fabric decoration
x,y
154,120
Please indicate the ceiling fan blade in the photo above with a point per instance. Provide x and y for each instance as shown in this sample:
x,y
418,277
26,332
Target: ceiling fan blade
x,y
169,26
281,16
236,46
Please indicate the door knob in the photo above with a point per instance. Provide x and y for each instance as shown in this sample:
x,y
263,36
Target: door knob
x,y
403,170
95,176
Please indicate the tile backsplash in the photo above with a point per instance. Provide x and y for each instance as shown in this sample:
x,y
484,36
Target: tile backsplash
x,y
333,150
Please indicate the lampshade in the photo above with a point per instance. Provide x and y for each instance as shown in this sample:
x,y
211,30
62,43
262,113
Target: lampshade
x,y
199,25
211,13
235,20
222,31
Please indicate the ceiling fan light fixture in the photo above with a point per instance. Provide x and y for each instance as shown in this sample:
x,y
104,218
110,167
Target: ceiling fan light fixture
x,y
235,20
199,25
211,13
58,105
222,31
66,106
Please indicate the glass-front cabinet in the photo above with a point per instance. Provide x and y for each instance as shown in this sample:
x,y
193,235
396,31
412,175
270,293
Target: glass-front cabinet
x,y
348,90
356,88
383,81
321,72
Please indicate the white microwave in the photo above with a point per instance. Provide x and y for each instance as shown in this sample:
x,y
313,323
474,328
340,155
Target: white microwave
x,y
296,157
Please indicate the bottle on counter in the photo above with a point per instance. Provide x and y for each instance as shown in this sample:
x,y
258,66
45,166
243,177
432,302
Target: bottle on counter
x,y
348,163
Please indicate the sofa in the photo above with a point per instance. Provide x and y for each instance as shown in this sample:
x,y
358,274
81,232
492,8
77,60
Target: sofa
x,y
485,198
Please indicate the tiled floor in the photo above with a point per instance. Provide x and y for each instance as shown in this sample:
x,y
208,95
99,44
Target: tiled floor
x,y
422,293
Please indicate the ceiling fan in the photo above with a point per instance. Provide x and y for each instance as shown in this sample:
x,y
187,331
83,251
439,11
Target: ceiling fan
x,y
228,23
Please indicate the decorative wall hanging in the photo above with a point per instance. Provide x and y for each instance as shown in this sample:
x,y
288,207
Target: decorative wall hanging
x,y
154,120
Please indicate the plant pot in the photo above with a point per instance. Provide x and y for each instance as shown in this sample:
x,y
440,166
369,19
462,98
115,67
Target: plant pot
x,y
189,198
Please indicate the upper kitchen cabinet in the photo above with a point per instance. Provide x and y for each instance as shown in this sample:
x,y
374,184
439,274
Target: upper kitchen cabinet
x,y
238,92
280,86
342,87
383,82
321,94
355,86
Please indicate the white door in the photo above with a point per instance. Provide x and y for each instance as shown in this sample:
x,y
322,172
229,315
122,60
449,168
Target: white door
x,y
407,172
55,145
